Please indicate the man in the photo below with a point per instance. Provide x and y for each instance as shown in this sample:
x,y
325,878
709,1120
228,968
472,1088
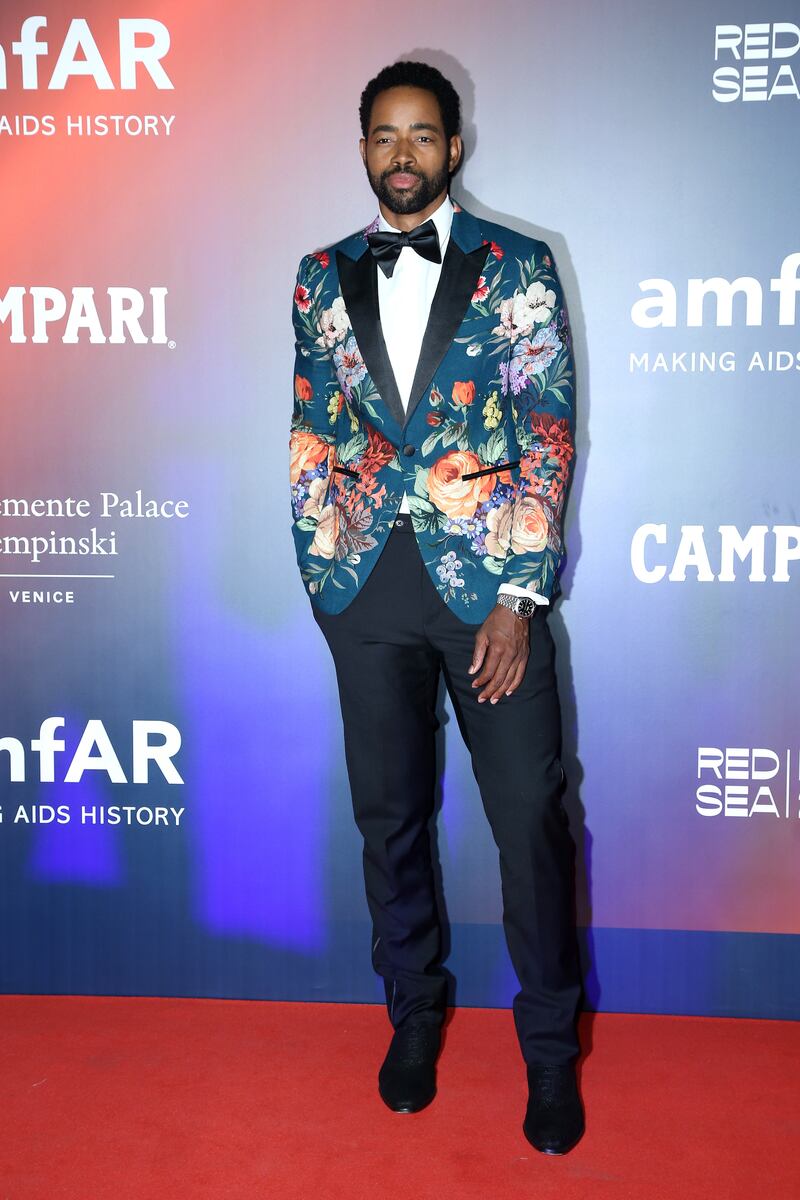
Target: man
x,y
431,446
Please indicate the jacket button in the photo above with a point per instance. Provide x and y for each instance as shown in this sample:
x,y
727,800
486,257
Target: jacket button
x,y
409,450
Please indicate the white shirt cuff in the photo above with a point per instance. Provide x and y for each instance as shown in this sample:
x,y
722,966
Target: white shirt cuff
x,y
512,589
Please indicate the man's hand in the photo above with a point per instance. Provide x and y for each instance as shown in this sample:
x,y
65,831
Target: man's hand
x,y
502,645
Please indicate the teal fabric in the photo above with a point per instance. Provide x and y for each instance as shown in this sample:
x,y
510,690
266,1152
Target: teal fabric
x,y
502,393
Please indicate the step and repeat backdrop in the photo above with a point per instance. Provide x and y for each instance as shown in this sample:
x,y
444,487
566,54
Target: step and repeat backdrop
x,y
174,811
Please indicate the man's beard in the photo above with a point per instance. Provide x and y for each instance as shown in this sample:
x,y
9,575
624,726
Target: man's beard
x,y
409,200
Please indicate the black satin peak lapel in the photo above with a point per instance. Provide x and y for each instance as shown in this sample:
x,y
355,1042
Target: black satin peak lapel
x,y
456,287
358,279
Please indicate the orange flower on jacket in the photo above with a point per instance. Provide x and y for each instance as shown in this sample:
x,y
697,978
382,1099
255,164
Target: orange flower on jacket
x,y
302,388
553,430
530,526
378,453
306,451
463,393
455,496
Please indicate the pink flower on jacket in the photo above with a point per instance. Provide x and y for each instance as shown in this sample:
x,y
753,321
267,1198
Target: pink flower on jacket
x,y
317,488
302,298
326,533
498,529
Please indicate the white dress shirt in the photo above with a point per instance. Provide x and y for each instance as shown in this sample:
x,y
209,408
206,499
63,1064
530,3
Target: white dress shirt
x,y
404,301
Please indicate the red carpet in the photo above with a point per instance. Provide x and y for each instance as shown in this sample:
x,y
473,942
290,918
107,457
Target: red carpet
x,y
133,1099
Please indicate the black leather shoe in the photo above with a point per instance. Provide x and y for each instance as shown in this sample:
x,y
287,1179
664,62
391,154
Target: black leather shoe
x,y
554,1121
407,1078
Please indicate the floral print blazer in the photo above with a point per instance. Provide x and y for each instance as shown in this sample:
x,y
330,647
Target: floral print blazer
x,y
485,447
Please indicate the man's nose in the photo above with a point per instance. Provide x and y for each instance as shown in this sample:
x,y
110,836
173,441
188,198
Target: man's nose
x,y
403,152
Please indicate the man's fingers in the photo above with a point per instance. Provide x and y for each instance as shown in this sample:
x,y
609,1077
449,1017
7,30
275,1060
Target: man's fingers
x,y
517,677
504,684
481,644
494,673
499,658
496,687
493,655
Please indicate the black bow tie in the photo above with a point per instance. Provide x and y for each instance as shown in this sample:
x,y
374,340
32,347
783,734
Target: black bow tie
x,y
386,246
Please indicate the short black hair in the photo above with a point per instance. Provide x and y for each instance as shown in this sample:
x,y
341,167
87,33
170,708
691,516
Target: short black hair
x,y
413,74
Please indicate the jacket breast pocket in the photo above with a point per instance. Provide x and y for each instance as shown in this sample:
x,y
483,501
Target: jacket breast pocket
x,y
347,471
505,466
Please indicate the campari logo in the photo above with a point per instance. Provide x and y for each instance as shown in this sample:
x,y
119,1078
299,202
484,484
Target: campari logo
x,y
721,555
117,315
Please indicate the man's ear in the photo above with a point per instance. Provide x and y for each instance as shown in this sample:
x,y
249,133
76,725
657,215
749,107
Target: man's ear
x,y
457,149
362,149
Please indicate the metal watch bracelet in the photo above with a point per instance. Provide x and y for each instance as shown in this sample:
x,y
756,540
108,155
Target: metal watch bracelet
x,y
522,606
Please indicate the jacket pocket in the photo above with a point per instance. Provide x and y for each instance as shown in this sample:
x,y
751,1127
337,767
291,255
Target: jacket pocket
x,y
346,471
489,470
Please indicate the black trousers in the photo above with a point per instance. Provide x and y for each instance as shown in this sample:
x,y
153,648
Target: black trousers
x,y
389,646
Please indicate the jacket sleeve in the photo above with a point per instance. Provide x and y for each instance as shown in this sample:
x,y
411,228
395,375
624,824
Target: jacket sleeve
x,y
312,436
540,382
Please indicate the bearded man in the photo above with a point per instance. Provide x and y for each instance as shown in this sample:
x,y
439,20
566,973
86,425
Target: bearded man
x,y
431,447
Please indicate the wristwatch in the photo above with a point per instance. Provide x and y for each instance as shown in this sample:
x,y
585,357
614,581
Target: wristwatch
x,y
523,606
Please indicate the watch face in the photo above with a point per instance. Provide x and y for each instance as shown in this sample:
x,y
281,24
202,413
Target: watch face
x,y
525,607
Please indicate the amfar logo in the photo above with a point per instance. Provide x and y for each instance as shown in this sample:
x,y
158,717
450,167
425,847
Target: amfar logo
x,y
33,310
747,782
735,554
79,55
95,752
662,309
765,44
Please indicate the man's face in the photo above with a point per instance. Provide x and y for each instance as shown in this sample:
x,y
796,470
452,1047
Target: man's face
x,y
408,159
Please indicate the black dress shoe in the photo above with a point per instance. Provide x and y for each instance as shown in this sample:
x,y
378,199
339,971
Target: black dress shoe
x,y
554,1121
407,1078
